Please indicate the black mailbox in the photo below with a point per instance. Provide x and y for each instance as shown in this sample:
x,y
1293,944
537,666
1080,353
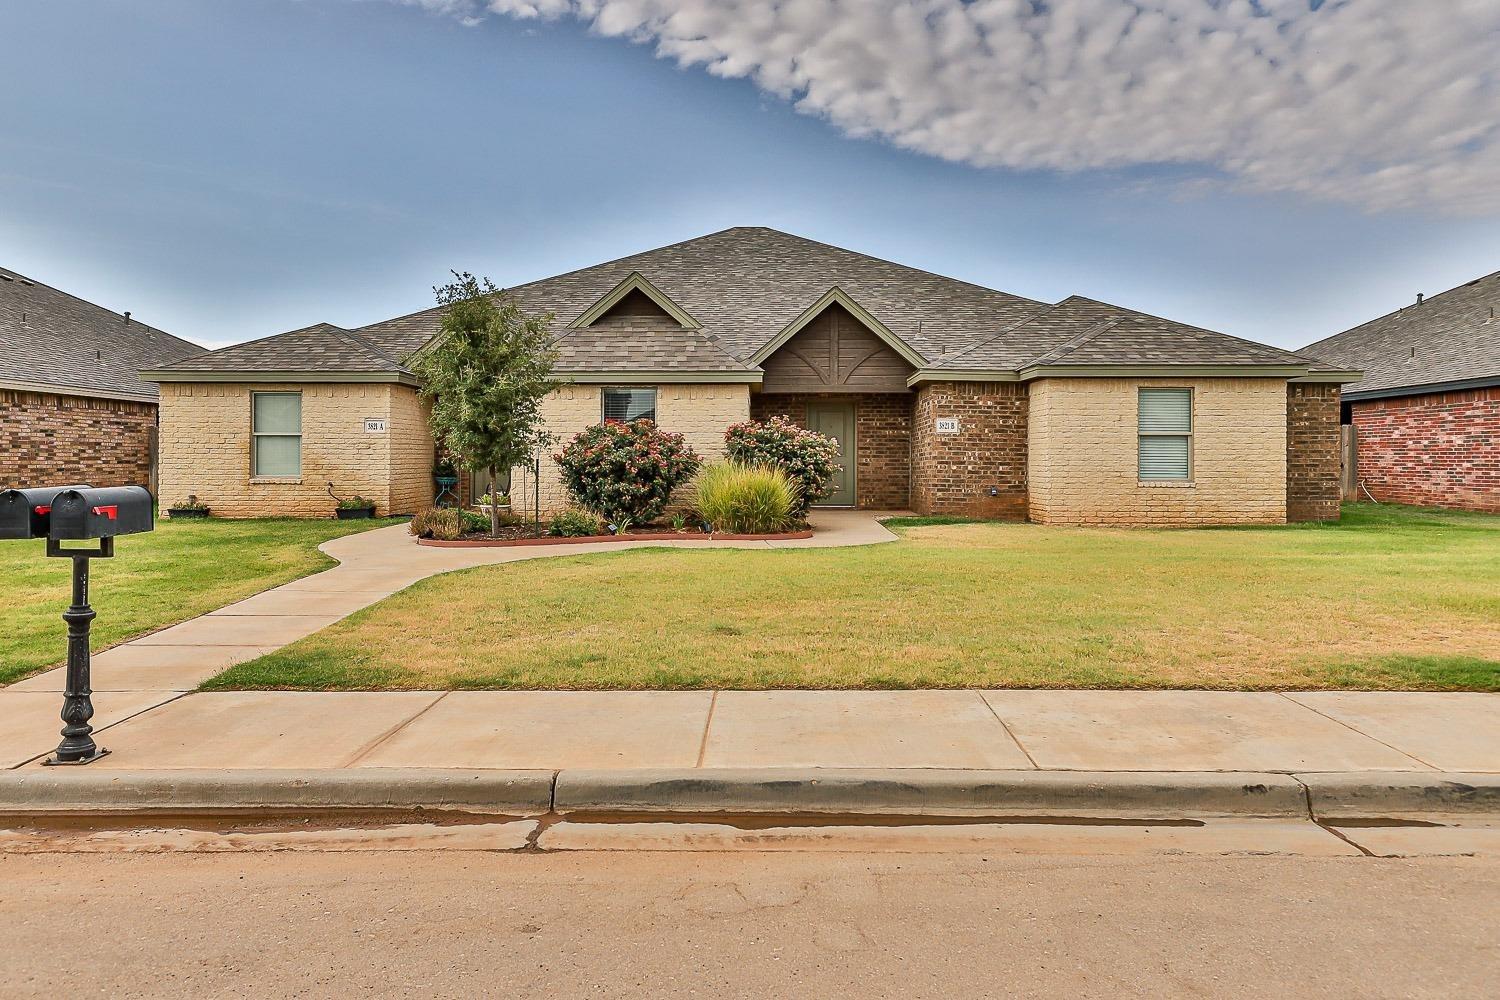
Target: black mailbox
x,y
27,513
100,513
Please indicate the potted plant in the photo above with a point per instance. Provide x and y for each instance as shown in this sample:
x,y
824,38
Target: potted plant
x,y
354,508
487,501
191,507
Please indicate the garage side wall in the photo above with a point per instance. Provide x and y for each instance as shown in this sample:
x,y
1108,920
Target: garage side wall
x,y
54,440
205,449
979,469
1441,449
1083,453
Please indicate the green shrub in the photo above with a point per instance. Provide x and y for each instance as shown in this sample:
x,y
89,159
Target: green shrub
x,y
356,502
807,456
444,523
746,499
625,473
575,524
475,523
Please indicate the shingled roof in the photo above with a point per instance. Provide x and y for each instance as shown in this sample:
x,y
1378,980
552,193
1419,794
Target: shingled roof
x,y
744,286
51,341
1449,340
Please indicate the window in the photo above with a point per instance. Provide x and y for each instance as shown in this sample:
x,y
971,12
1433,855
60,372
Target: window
x,y
276,435
1166,434
625,405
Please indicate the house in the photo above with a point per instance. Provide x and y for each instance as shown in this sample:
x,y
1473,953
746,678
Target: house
x,y
1425,418
73,407
946,397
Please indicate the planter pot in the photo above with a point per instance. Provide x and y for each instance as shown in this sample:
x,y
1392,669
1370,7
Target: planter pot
x,y
186,513
353,513
484,508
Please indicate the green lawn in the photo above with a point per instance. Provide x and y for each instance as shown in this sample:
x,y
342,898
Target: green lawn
x,y
1388,598
176,572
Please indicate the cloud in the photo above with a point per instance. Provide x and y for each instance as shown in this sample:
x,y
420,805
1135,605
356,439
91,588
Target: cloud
x,y
1385,104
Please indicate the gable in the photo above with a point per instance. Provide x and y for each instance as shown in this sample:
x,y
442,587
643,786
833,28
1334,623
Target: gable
x,y
634,309
635,288
835,352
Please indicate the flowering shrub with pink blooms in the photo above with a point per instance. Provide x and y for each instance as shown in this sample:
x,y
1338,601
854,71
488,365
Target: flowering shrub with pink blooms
x,y
625,473
807,456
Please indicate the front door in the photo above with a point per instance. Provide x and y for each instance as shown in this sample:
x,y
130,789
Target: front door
x,y
837,421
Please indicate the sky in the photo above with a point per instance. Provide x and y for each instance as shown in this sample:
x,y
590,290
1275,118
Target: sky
x,y
1274,169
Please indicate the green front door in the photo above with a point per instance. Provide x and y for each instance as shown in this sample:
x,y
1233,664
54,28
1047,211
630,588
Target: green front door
x,y
837,421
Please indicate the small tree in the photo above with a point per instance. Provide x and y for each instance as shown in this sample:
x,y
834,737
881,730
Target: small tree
x,y
486,374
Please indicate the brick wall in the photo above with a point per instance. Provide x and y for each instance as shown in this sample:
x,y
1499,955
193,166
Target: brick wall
x,y
1082,453
955,473
698,412
1440,449
1312,451
882,440
52,440
205,449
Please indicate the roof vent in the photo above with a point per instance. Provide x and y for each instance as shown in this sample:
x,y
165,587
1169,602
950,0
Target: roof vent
x,y
1413,352
1420,297
127,317
6,277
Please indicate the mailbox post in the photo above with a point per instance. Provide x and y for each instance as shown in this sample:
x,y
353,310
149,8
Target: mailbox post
x,y
74,513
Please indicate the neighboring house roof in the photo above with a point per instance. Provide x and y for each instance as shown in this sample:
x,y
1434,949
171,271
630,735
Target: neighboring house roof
x,y
1448,341
51,341
726,299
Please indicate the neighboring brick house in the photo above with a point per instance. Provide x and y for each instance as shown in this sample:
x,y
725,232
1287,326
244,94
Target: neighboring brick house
x,y
1425,418
945,396
73,407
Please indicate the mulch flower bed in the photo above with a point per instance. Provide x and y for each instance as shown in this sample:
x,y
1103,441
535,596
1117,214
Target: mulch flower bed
x,y
524,535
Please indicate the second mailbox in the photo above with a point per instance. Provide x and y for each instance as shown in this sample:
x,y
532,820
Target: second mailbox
x,y
27,513
100,513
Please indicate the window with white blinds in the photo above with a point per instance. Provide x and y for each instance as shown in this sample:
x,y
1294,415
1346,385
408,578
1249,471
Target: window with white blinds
x,y
276,434
625,405
1165,426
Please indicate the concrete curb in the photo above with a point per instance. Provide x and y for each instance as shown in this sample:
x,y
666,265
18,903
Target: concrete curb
x,y
1096,795
696,792
1400,794
79,790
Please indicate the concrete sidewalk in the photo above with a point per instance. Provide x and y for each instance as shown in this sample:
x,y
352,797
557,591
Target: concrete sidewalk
x,y
1157,731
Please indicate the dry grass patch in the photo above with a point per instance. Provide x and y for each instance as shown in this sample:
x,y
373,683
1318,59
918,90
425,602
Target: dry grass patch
x,y
1389,598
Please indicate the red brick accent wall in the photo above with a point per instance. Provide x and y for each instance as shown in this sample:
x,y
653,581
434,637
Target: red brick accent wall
x,y
882,440
51,440
1312,451
1441,449
955,473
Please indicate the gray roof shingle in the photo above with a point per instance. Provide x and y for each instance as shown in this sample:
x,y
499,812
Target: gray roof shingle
x,y
746,285
321,347
1451,337
53,341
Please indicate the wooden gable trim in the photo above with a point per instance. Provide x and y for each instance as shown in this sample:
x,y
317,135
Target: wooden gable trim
x,y
635,282
812,312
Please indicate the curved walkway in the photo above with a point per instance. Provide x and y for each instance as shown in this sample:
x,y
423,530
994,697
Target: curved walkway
x,y
372,566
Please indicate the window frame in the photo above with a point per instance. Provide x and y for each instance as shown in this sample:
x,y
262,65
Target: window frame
x,y
604,400
1192,423
255,435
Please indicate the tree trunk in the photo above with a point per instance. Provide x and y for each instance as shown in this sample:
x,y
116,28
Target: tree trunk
x,y
494,504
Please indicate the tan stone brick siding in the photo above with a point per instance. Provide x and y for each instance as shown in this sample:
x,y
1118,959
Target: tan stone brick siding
x,y
1082,453
954,473
698,412
882,439
1312,451
205,449
52,440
